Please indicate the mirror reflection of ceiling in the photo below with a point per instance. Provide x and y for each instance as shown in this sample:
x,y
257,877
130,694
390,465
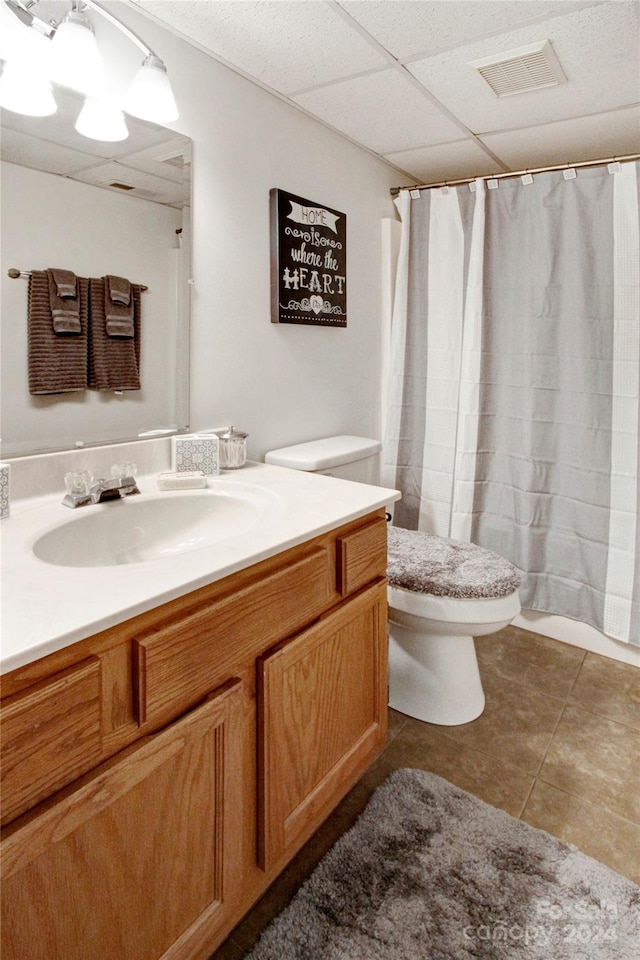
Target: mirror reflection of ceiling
x,y
151,164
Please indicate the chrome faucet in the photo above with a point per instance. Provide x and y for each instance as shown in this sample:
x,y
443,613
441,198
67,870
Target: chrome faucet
x,y
80,490
114,489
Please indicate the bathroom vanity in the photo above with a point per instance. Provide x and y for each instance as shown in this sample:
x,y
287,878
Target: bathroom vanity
x,y
161,770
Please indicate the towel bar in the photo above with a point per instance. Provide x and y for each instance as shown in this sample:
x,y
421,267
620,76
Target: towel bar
x,y
15,274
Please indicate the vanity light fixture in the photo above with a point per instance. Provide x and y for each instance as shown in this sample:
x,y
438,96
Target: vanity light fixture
x,y
150,96
72,58
75,58
24,85
26,92
100,120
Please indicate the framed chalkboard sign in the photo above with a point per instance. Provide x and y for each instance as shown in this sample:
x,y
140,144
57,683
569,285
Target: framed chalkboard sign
x,y
308,262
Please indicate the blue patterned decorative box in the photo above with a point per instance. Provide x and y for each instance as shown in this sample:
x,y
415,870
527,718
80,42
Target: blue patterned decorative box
x,y
5,470
196,452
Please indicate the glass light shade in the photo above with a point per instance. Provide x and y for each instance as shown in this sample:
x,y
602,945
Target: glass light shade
x,y
11,32
101,121
75,58
24,90
24,85
150,96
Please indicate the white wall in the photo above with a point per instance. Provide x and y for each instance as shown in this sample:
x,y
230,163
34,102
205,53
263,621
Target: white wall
x,y
103,233
281,383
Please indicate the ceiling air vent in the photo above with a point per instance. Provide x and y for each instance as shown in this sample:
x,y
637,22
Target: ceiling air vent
x,y
120,186
527,68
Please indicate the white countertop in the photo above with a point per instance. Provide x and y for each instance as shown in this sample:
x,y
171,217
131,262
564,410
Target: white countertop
x,y
46,607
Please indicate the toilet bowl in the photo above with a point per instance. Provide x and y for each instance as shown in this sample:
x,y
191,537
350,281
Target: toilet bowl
x,y
433,668
442,593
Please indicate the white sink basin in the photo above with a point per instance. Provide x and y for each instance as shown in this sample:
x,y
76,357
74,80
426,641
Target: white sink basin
x,y
148,528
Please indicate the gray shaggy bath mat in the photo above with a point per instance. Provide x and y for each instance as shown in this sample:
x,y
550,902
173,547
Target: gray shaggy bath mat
x,y
430,872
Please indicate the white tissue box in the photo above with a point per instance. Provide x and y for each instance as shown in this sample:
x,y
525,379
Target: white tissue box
x,y
5,470
196,451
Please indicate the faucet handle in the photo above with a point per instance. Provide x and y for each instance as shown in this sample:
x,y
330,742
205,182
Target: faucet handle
x,y
78,485
78,482
121,470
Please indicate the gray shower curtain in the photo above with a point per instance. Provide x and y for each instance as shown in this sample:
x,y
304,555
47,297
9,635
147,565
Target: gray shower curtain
x,y
514,400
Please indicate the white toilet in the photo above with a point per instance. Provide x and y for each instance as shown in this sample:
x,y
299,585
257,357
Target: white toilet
x,y
441,594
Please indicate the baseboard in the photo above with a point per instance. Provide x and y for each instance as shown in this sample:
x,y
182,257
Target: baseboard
x,y
578,635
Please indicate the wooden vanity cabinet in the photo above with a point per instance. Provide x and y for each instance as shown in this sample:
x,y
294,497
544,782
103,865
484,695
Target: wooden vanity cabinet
x,y
158,776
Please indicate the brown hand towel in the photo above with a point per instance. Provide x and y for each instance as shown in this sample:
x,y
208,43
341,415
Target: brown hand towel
x,y
56,364
114,362
65,281
65,314
119,290
118,317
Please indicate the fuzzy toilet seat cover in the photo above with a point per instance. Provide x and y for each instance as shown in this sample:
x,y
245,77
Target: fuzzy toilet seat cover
x,y
447,568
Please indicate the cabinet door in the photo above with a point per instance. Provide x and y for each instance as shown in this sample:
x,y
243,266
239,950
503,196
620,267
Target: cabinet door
x,y
322,719
126,861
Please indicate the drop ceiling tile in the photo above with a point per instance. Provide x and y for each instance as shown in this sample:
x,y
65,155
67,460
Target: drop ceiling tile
x,y
407,29
285,44
144,185
18,147
569,141
597,48
57,129
384,111
159,161
447,161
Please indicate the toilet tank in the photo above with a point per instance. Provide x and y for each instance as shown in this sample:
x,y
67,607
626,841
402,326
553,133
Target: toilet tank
x,y
346,457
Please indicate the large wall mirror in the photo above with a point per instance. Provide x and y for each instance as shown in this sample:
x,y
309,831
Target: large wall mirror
x,y
95,208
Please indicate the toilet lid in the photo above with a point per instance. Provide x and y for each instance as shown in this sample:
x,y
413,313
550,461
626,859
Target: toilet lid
x,y
447,568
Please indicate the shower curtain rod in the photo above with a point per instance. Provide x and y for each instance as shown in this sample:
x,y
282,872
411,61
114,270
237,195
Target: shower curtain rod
x,y
516,173
16,274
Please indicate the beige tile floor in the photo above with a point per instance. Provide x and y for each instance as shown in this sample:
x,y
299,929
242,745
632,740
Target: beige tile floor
x,y
558,746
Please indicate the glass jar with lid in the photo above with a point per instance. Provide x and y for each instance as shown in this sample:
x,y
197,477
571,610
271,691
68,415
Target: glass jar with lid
x,y
233,448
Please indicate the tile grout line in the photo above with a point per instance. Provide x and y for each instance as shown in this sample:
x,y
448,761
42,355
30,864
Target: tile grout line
x,y
575,679
590,803
551,738
480,751
603,716
528,797
560,718
584,706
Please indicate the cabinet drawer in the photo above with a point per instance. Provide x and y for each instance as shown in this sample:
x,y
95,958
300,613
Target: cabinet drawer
x,y
179,663
361,556
50,735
